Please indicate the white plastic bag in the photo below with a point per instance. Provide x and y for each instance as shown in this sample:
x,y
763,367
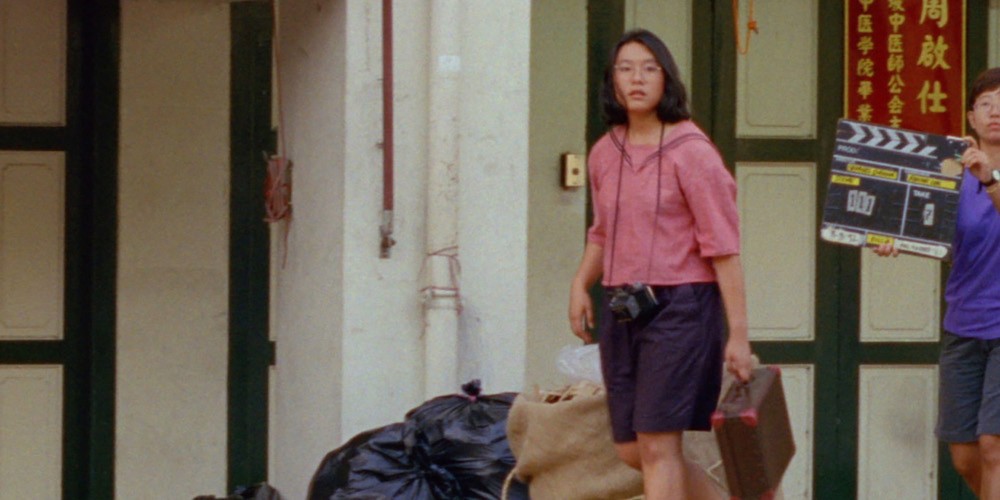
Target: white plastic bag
x,y
580,362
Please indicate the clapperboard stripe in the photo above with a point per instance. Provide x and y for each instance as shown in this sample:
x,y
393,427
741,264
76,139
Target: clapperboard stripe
x,y
892,140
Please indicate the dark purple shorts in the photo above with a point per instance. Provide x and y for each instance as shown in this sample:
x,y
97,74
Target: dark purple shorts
x,y
664,372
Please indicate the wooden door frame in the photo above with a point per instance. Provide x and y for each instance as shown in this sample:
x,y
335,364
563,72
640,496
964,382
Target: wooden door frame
x,y
251,352
91,248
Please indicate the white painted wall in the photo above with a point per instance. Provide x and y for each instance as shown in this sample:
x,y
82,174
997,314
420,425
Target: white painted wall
x,y
349,324
493,225
307,292
173,250
382,367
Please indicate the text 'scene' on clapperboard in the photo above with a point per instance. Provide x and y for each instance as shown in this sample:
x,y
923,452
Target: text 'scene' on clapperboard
x,y
890,185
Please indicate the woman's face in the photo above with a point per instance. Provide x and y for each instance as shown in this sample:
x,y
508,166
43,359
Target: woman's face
x,y
638,79
985,116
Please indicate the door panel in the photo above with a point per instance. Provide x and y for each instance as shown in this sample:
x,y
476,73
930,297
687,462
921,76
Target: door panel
x,y
777,199
671,21
776,80
31,258
900,299
30,431
33,62
897,450
798,382
779,270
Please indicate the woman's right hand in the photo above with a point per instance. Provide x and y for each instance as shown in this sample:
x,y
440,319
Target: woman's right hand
x,y
581,313
886,250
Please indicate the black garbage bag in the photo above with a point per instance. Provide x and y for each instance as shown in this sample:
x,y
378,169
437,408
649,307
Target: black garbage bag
x,y
260,491
335,468
376,467
466,435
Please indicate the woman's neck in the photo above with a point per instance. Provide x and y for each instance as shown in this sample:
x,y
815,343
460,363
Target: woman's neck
x,y
645,129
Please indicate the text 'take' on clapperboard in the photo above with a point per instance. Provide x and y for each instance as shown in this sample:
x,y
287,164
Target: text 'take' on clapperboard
x,y
889,185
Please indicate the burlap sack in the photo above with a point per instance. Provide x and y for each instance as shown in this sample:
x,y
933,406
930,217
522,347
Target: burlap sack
x,y
562,442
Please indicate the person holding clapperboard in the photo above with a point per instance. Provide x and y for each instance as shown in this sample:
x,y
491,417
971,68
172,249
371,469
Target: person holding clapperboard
x,y
969,398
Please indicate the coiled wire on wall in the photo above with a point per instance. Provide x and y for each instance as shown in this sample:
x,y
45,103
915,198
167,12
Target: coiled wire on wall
x,y
744,47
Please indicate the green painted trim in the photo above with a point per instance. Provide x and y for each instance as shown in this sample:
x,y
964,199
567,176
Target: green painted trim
x,y
723,84
888,353
70,353
90,140
838,271
834,466
776,352
251,353
976,34
99,116
703,80
777,150
33,352
33,138
605,25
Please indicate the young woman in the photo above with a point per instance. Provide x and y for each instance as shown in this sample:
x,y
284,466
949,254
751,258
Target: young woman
x,y
969,364
665,244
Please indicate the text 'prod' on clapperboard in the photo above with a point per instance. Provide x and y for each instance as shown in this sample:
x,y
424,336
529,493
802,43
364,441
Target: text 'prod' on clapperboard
x,y
889,185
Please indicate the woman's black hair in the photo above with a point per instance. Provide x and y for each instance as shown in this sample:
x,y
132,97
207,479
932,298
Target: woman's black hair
x,y
673,106
986,81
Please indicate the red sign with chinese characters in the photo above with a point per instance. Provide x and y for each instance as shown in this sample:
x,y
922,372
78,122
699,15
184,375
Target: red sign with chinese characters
x,y
905,64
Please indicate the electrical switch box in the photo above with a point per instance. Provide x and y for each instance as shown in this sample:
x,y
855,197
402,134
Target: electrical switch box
x,y
574,170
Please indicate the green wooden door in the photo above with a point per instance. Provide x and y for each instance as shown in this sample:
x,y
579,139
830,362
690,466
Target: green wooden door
x,y
58,133
856,336
251,352
869,404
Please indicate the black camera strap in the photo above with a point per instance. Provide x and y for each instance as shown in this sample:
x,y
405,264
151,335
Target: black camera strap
x,y
620,144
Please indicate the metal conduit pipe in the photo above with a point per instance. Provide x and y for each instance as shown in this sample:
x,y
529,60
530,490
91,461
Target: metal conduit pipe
x,y
441,297
388,142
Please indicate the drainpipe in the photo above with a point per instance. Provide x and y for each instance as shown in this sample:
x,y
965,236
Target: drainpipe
x,y
442,303
388,143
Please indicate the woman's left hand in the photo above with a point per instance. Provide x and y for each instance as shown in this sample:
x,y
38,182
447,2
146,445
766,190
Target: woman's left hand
x,y
738,360
976,160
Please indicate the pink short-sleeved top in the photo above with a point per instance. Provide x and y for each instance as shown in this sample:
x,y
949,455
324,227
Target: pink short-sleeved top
x,y
697,220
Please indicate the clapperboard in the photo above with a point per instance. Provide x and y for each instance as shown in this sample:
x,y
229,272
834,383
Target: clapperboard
x,y
889,185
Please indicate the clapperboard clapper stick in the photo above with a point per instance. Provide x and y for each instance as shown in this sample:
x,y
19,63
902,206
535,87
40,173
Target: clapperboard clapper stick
x,y
890,185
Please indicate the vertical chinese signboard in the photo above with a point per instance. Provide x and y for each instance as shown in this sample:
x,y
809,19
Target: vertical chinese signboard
x,y
905,64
